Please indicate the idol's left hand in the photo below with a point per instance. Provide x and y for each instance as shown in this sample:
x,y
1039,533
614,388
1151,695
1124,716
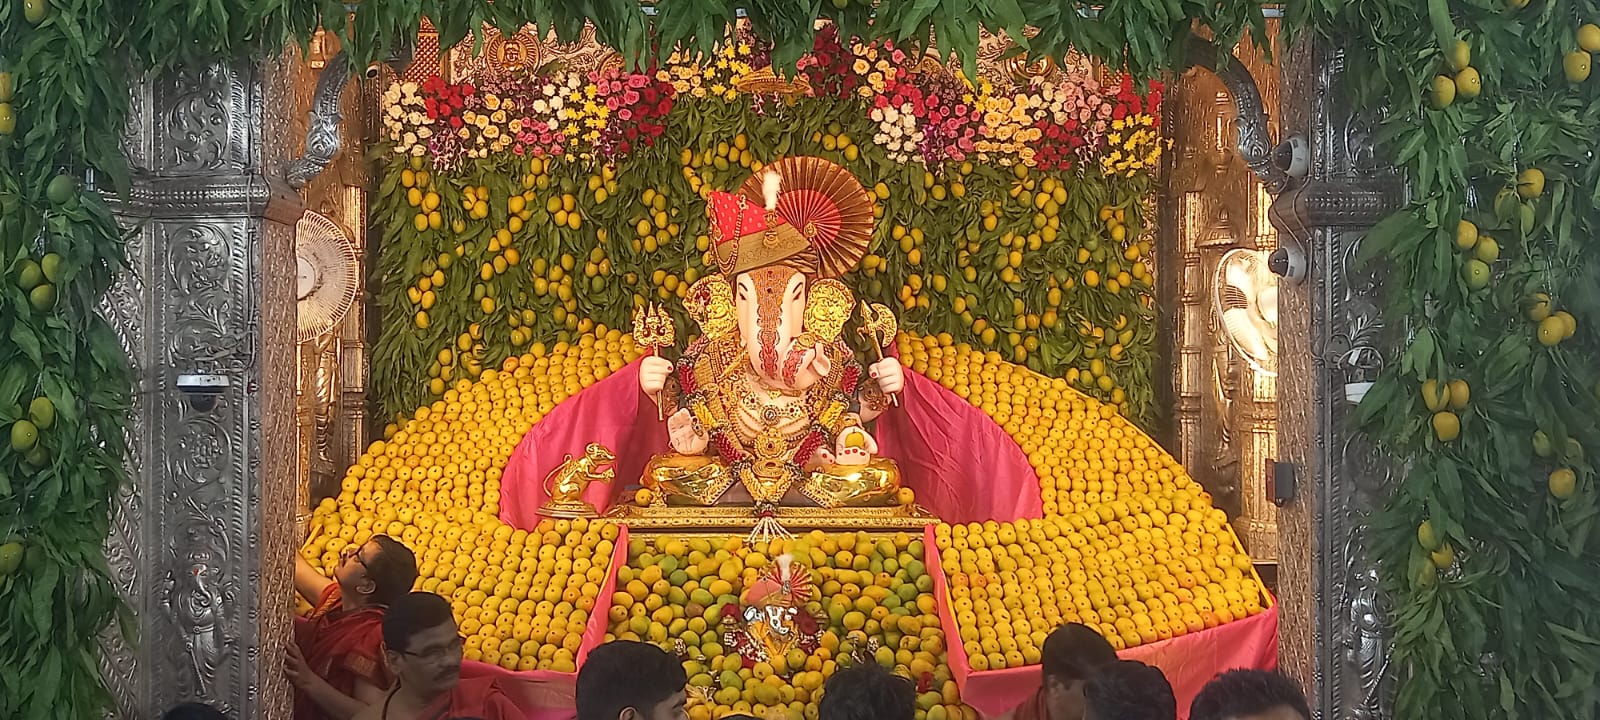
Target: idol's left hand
x,y
890,375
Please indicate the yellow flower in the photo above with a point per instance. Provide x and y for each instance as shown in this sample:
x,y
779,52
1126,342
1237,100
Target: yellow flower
x,y
491,132
698,91
860,66
499,116
663,76
482,121
718,89
1118,124
722,63
491,101
463,133
744,48
591,91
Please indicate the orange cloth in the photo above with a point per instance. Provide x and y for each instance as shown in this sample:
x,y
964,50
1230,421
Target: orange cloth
x,y
479,697
340,647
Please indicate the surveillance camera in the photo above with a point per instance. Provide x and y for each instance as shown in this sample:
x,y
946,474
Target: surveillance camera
x,y
203,392
1289,263
1293,156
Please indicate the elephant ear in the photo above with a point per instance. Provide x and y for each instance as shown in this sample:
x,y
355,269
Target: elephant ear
x,y
828,305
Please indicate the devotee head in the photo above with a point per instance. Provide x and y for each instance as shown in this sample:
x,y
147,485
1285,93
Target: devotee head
x,y
867,692
1250,695
626,680
422,644
1072,654
194,711
1129,690
379,572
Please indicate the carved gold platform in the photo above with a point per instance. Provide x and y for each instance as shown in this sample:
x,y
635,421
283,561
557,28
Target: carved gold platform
x,y
733,518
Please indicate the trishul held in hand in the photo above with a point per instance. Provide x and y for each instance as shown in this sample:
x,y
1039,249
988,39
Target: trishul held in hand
x,y
653,329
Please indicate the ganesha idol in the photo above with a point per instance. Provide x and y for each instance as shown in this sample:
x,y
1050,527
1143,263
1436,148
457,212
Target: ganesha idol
x,y
768,405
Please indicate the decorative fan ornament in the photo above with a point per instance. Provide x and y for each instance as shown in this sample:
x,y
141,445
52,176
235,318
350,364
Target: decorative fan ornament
x,y
326,274
827,204
1246,295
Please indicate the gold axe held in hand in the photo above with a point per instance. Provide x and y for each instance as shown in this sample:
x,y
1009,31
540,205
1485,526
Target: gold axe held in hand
x,y
880,326
653,329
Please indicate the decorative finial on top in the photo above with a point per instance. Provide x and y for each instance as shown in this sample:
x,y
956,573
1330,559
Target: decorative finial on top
x,y
771,185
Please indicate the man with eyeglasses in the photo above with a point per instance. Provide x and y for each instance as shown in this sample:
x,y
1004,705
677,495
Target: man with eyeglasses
x,y
423,646
336,662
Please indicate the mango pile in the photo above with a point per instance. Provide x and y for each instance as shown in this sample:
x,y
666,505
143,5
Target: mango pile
x,y
523,598
1129,544
872,596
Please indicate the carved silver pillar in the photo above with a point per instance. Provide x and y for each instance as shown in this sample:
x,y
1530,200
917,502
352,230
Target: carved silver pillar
x,y
203,539
1333,632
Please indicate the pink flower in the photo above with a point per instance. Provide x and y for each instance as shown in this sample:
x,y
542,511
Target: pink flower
x,y
625,114
637,81
630,97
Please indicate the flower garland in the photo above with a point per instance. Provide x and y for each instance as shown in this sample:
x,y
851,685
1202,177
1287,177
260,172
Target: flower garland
x,y
929,116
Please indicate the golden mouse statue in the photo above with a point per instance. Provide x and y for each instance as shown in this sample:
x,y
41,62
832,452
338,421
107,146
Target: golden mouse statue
x,y
768,405
566,483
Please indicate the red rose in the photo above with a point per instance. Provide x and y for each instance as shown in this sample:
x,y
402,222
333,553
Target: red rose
x,y
1119,112
455,122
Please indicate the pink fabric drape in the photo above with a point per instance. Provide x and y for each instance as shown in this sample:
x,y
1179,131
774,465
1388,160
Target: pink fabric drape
x,y
962,465
1188,661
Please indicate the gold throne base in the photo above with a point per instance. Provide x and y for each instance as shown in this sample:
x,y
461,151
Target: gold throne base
x,y
742,518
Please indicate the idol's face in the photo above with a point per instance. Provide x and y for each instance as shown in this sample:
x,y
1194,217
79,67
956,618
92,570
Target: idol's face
x,y
771,304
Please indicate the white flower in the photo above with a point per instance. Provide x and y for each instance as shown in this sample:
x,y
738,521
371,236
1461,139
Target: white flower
x,y
395,112
415,118
556,103
891,115
541,107
424,133
419,150
409,139
410,88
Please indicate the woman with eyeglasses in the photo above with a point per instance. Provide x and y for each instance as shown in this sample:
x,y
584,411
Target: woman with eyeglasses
x,y
336,662
423,647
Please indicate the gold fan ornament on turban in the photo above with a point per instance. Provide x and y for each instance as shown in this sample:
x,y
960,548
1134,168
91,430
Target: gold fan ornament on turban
x,y
827,205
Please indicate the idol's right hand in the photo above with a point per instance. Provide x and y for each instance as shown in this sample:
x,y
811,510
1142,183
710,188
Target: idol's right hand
x,y
653,374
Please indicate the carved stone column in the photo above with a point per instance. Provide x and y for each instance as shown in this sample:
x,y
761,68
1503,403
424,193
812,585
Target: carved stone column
x,y
1333,627
202,543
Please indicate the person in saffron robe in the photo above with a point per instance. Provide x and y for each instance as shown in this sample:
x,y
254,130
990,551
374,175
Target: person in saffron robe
x,y
624,680
423,646
336,662
1072,653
